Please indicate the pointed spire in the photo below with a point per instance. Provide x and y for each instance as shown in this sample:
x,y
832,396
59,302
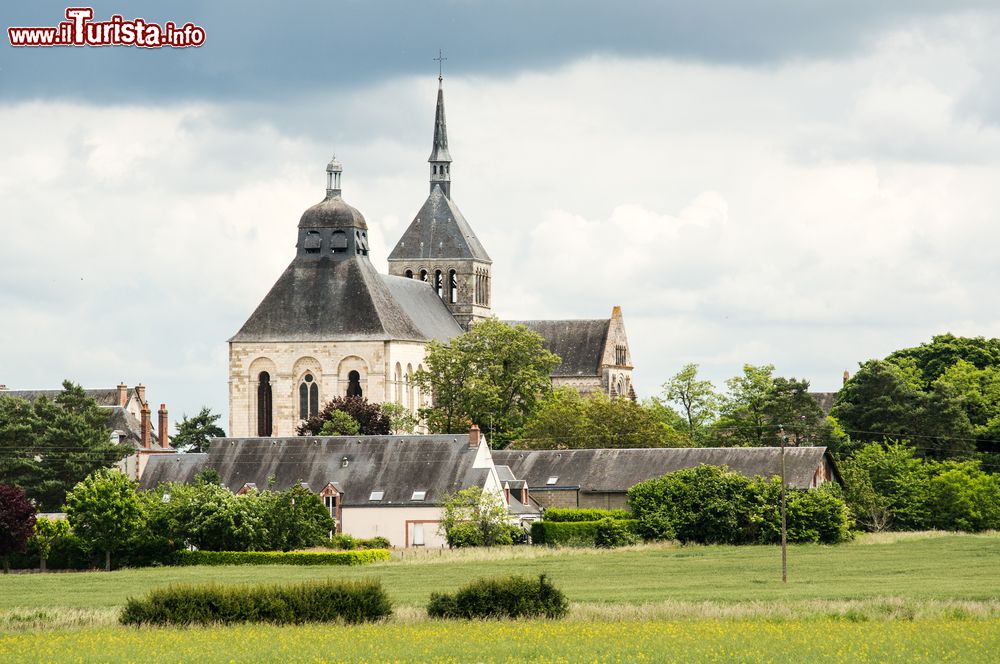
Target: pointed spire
x,y
440,159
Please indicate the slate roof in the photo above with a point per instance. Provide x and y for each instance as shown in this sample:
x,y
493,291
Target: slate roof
x,y
579,343
439,150
825,400
120,419
327,300
616,470
427,311
396,465
103,397
439,231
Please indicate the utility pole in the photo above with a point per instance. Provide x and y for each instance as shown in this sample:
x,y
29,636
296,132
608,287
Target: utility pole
x,y
784,522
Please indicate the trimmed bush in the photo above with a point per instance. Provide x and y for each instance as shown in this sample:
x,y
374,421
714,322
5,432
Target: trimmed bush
x,y
345,542
312,601
280,557
568,514
501,597
573,533
611,533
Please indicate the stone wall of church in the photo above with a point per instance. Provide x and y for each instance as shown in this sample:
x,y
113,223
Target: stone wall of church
x,y
329,363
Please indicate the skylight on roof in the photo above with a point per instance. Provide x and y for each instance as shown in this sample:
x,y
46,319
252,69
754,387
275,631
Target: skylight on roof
x,y
418,495
552,480
376,495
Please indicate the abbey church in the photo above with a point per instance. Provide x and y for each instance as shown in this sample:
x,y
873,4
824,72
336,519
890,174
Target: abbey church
x,y
332,325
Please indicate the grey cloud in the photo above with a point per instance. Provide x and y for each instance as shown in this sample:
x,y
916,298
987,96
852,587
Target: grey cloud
x,y
261,50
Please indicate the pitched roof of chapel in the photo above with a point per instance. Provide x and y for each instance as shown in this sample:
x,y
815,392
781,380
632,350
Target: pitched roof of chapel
x,y
615,470
439,231
395,465
419,301
327,300
579,343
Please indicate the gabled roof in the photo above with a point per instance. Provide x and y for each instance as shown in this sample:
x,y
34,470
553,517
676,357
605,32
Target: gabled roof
x,y
119,419
103,397
615,470
427,311
394,465
579,343
327,300
439,231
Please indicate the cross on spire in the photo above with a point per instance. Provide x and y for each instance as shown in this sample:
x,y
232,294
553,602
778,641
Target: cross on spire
x,y
440,59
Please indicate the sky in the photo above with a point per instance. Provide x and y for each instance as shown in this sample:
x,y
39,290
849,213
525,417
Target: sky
x,y
803,184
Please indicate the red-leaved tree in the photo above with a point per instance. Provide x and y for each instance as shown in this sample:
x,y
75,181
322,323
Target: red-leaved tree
x,y
368,415
17,522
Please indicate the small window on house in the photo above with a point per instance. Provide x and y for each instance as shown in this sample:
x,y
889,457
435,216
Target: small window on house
x,y
311,242
418,495
418,534
338,242
376,495
552,480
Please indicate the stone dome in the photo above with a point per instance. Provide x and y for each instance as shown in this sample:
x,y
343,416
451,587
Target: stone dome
x,y
332,212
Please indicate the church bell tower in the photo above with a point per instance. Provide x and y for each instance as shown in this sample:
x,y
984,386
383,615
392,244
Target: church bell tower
x,y
439,246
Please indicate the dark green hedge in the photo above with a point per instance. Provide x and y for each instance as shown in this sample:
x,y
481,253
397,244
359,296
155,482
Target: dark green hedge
x,y
312,601
501,597
359,557
567,514
573,533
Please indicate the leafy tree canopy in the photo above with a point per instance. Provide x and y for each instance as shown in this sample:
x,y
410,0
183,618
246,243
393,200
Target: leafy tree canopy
x,y
473,517
17,522
47,446
195,434
696,399
104,511
340,424
566,420
369,417
493,375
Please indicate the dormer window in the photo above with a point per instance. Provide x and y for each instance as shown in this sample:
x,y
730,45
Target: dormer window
x,y
418,495
552,480
312,242
338,242
376,495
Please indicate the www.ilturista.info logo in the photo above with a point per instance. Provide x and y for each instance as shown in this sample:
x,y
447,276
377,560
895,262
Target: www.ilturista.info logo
x,y
80,30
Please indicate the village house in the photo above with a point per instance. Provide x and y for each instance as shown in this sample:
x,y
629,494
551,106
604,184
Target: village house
x,y
601,478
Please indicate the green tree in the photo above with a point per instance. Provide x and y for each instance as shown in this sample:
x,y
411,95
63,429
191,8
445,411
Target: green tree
x,y
933,359
17,522
296,519
47,446
886,487
960,496
566,420
340,424
744,417
371,420
493,375
104,511
401,420
697,400
195,434
47,533
473,517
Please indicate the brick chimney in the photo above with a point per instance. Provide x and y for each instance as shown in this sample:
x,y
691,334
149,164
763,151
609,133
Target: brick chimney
x,y
162,426
847,376
524,494
506,493
140,391
474,436
122,394
144,426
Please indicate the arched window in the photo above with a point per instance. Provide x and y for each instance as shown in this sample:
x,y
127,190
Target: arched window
x,y
409,387
409,274
354,384
438,285
311,242
399,383
423,276
308,397
338,242
452,286
264,404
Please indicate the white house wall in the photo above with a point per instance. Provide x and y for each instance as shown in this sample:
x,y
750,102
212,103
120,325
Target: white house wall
x,y
394,523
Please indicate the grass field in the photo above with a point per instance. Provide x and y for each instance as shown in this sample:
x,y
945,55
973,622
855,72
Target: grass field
x,y
917,597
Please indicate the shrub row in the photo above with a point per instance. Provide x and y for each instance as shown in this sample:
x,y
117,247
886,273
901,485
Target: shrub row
x,y
501,597
312,601
360,557
610,532
345,542
573,514
712,505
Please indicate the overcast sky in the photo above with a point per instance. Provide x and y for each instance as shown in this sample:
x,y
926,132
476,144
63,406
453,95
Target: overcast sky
x,y
803,184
